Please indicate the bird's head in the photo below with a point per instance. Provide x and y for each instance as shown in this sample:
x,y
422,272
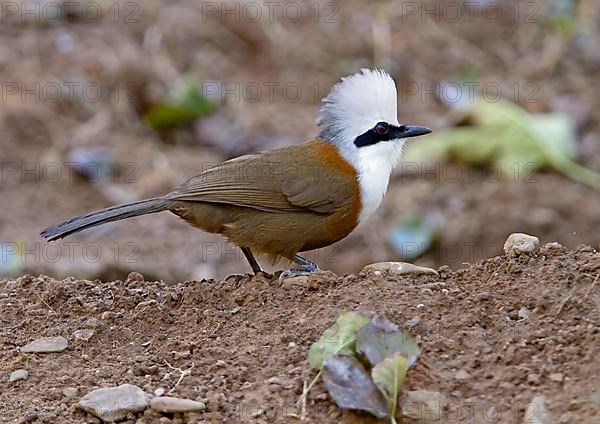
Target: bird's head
x,y
360,117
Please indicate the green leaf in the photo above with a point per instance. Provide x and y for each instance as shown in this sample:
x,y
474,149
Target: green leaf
x,y
183,107
388,376
594,399
503,133
380,339
339,339
351,387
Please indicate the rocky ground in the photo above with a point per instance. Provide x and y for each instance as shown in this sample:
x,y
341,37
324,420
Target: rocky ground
x,y
495,336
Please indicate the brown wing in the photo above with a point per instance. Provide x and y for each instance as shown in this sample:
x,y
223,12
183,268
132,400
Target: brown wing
x,y
273,181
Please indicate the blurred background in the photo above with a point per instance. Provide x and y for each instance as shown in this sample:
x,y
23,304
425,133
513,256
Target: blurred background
x,y
105,102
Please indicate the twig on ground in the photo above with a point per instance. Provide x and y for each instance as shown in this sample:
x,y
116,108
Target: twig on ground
x,y
303,413
182,374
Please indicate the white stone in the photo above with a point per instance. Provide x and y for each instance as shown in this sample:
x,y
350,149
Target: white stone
x,y
523,313
398,268
114,403
46,345
18,375
84,334
558,377
518,243
462,375
174,405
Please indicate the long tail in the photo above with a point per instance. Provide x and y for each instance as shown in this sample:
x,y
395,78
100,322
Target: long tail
x,y
114,213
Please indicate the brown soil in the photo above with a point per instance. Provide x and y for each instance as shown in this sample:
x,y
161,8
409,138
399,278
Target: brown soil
x,y
247,341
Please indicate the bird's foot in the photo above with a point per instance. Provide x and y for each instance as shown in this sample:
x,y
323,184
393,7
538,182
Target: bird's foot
x,y
236,277
239,277
307,268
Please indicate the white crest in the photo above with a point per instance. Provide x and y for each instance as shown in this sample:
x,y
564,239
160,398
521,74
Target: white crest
x,y
354,106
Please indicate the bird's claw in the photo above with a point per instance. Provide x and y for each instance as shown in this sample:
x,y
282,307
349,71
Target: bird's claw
x,y
298,272
236,277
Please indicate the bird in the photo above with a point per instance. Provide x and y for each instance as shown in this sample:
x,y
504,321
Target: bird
x,y
283,202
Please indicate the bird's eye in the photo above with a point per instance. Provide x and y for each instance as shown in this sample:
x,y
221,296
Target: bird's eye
x,y
381,128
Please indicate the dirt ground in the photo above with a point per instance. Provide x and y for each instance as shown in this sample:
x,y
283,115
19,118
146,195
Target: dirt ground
x,y
494,336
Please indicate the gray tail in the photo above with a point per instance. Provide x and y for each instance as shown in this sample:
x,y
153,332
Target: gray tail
x,y
114,213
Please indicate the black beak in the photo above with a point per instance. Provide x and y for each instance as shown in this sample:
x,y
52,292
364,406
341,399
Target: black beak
x,y
406,131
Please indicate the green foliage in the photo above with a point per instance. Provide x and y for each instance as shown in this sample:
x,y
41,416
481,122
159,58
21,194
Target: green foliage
x,y
594,398
183,107
388,376
351,387
507,135
380,339
563,15
341,351
338,339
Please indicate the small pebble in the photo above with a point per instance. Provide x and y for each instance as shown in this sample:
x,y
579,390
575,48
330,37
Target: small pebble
x,y
134,277
291,282
462,375
507,385
18,375
523,313
46,345
175,405
558,377
397,268
114,403
84,334
70,392
91,322
518,243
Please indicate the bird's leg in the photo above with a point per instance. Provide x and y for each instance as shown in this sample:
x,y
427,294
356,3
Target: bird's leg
x,y
253,263
252,260
307,267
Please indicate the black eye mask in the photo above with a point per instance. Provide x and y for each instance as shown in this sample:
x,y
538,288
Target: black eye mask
x,y
386,132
